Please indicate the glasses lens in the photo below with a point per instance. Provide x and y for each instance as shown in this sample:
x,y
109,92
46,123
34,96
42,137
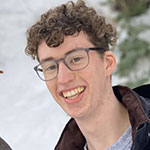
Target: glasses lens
x,y
77,60
47,70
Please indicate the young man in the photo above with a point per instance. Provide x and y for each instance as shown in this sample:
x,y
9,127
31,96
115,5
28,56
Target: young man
x,y
71,43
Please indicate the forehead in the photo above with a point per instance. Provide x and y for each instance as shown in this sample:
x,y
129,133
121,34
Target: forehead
x,y
70,42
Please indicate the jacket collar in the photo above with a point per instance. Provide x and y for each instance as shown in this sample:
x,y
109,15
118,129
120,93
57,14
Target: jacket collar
x,y
73,139
135,103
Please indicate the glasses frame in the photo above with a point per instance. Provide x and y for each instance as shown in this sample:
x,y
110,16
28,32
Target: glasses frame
x,y
63,60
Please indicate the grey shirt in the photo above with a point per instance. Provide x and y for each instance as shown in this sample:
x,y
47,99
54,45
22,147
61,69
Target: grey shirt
x,y
123,143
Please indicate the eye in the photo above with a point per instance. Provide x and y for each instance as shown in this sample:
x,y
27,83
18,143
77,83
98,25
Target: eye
x,y
76,59
50,68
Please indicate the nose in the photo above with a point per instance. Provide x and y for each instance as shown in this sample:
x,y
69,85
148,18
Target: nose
x,y
65,75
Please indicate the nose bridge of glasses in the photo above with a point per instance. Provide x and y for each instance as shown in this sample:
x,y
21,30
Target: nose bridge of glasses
x,y
63,61
64,74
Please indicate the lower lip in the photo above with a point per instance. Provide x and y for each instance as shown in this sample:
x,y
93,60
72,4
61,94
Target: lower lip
x,y
75,100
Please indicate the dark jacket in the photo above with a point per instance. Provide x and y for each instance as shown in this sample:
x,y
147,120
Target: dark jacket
x,y
4,145
136,101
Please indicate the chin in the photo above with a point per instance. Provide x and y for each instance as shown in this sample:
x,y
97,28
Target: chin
x,y
77,113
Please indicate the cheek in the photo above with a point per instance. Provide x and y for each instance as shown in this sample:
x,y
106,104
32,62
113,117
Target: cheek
x,y
52,88
98,78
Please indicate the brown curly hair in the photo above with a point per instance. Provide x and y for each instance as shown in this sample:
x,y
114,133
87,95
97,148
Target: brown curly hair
x,y
68,19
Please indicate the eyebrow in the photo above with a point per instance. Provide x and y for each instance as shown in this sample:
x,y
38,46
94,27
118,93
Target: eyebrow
x,y
52,58
46,59
78,48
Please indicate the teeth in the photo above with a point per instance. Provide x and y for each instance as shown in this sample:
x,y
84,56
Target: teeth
x,y
73,93
79,89
73,97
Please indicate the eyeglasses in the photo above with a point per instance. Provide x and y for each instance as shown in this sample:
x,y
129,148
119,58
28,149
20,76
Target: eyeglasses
x,y
74,60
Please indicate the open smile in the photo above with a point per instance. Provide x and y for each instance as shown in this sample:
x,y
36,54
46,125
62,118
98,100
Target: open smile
x,y
73,95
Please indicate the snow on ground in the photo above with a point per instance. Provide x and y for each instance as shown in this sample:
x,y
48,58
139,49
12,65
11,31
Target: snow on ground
x,y
29,117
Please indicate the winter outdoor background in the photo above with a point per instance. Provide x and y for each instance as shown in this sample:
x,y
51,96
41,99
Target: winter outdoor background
x,y
29,117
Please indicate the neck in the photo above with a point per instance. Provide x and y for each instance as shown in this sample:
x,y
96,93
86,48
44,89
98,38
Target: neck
x,y
104,127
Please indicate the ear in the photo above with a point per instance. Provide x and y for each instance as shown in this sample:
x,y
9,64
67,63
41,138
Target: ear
x,y
110,62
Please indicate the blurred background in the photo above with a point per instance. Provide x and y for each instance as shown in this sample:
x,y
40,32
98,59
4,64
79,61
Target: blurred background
x,y
30,119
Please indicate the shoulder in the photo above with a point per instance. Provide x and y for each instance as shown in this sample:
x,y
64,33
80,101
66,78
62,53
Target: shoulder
x,y
144,94
143,90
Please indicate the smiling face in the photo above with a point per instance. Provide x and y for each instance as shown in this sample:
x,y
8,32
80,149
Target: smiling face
x,y
80,93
